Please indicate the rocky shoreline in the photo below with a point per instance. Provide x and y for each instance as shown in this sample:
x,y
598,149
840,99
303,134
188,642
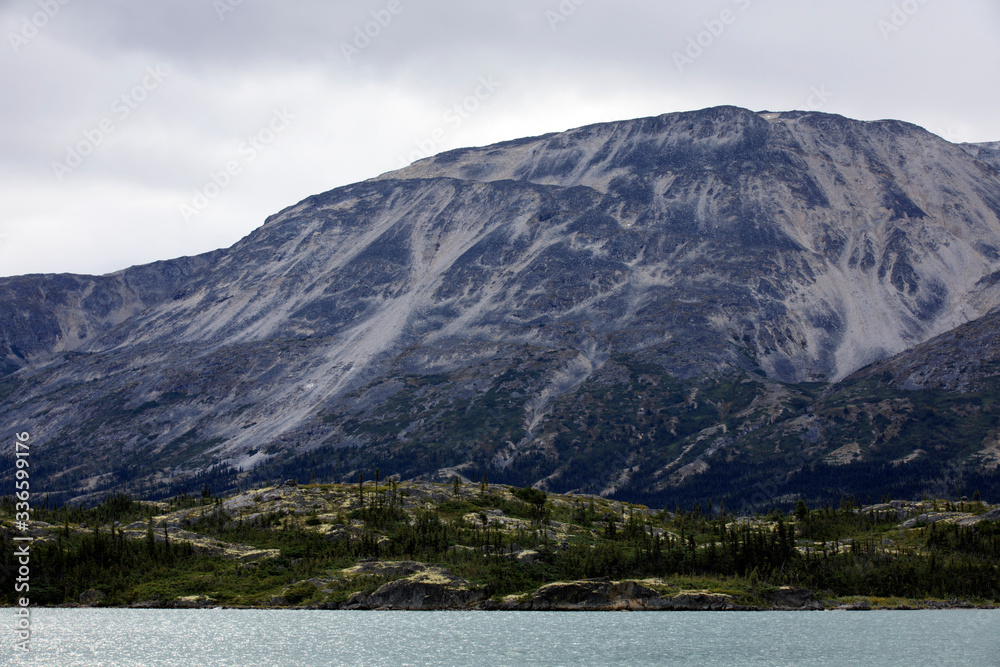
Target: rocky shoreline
x,y
428,588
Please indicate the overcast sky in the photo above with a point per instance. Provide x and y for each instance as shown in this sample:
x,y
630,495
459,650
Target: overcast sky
x,y
136,131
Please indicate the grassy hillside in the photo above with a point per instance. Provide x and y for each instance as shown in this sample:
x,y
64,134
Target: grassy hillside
x,y
332,545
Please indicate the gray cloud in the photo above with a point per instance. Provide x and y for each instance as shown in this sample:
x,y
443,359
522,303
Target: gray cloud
x,y
405,88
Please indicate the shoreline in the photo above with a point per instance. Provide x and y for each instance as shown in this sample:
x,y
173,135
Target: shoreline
x,y
791,600
948,607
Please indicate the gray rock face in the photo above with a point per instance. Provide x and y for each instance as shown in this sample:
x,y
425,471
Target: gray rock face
x,y
817,233
43,314
789,597
988,152
458,300
963,359
590,595
593,595
606,595
91,596
430,589
992,515
928,519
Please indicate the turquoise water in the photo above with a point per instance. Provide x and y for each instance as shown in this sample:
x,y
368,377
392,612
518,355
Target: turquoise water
x,y
245,638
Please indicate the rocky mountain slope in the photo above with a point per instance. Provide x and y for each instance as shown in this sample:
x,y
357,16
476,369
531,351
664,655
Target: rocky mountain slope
x,y
988,152
45,314
626,308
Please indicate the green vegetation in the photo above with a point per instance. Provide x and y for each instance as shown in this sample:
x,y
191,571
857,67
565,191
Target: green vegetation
x,y
303,545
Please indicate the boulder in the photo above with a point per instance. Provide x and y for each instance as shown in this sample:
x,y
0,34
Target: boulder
x,y
607,595
595,595
148,604
698,601
789,597
527,556
388,568
432,588
192,602
862,605
992,515
927,519
509,603
91,596
329,605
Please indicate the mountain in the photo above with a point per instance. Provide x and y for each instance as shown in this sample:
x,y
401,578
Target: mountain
x,y
51,314
988,152
650,309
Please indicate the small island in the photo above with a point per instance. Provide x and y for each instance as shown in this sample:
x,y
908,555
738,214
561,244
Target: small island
x,y
385,544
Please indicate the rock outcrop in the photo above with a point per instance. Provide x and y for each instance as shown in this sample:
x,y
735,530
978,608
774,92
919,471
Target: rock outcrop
x,y
594,595
992,515
431,588
91,597
607,595
789,597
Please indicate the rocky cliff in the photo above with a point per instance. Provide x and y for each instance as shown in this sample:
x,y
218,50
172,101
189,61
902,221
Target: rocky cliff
x,y
46,314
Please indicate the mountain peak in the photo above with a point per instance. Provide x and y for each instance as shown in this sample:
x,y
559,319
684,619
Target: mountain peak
x,y
653,146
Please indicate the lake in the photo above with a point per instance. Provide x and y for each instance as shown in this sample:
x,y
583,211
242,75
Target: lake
x,y
245,638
